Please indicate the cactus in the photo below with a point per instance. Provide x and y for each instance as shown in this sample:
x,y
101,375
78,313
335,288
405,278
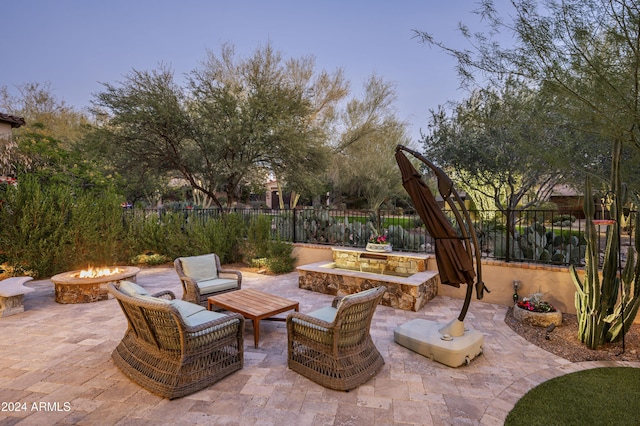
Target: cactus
x,y
601,310
532,242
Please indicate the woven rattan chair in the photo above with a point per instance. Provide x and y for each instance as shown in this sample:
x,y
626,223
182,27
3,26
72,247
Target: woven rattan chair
x,y
174,348
202,276
332,346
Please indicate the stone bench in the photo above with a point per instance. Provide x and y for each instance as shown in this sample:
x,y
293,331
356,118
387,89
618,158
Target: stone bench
x,y
11,292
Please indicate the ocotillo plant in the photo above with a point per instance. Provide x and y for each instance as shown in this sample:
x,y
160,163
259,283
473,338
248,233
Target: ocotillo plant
x,y
600,305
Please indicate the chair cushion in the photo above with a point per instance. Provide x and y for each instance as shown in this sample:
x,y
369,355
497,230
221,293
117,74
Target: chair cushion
x,y
201,317
216,285
200,268
357,295
186,309
327,314
132,289
313,331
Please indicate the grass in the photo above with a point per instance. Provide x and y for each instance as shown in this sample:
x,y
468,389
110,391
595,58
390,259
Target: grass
x,y
599,396
405,222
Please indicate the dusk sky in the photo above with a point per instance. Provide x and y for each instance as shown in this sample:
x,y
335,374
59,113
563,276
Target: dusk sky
x,y
76,45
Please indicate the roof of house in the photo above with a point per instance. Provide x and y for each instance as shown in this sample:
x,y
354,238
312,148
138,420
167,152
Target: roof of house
x,y
12,119
565,191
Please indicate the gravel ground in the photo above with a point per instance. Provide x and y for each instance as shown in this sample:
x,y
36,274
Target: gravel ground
x,y
563,341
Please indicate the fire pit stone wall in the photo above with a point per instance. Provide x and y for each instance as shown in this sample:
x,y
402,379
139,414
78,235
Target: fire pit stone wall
x,y
71,289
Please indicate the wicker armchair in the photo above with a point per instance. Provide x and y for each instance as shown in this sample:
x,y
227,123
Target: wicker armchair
x,y
332,346
202,276
174,348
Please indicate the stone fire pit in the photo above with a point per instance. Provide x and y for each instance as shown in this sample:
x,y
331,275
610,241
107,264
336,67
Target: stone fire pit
x,y
71,288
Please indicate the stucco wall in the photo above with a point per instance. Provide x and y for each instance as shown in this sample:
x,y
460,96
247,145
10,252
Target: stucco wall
x,y
310,253
5,130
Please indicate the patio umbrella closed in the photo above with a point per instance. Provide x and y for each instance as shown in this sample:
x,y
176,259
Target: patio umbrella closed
x,y
452,343
454,264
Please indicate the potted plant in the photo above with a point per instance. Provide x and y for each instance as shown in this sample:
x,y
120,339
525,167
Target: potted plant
x,y
379,244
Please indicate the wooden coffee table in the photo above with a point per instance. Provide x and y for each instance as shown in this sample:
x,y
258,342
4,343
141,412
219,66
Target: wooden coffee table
x,y
254,305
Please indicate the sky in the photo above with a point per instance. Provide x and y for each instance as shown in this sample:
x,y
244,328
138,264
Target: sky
x,y
77,45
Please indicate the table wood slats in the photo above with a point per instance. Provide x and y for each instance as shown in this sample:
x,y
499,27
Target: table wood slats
x,y
255,305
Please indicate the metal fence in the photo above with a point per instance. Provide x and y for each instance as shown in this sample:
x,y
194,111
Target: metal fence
x,y
532,236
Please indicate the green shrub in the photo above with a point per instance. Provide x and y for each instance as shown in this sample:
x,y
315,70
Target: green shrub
x,y
161,233
95,228
261,251
49,229
564,219
280,260
150,259
222,235
258,238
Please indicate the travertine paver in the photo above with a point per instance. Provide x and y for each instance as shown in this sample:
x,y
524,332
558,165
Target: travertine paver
x,y
55,367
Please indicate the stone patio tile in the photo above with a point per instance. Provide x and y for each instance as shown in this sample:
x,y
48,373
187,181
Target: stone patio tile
x,y
320,407
412,412
286,399
349,415
55,353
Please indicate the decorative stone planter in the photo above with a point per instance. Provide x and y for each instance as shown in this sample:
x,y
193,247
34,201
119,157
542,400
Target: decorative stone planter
x,y
378,248
538,319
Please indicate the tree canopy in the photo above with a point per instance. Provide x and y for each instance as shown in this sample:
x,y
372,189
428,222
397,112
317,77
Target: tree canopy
x,y
583,54
500,146
364,163
232,124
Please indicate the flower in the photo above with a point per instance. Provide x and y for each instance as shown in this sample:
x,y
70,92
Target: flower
x,y
534,303
378,239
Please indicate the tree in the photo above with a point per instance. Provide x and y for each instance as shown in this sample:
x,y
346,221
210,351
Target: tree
x,y
364,162
586,54
583,54
235,121
499,145
46,145
40,107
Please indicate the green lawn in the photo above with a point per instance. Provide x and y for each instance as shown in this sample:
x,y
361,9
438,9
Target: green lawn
x,y
600,396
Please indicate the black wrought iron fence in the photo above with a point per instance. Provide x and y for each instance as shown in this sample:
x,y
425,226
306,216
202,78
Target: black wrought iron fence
x,y
532,236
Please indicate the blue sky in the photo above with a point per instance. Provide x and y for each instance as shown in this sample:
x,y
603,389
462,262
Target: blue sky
x,y
76,45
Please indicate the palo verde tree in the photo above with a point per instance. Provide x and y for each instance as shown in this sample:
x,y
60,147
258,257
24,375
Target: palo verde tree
x,y
233,123
364,162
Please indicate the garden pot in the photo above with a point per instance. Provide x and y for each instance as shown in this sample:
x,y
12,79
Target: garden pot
x,y
538,319
378,248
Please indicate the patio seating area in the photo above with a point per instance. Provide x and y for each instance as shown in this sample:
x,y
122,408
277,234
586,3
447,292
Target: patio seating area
x,y
56,367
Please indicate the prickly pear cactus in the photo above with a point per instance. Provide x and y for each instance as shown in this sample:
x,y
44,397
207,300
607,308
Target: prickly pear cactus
x,y
602,309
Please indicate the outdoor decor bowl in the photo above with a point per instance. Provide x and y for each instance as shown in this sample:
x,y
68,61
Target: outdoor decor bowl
x,y
379,248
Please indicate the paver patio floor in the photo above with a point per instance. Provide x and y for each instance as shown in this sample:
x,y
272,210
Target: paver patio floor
x,y
56,368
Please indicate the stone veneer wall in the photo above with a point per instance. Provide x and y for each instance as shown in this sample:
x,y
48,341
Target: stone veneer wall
x,y
81,293
378,263
70,289
407,293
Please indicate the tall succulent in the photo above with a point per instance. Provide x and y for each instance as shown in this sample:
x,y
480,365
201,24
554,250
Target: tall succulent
x,y
602,309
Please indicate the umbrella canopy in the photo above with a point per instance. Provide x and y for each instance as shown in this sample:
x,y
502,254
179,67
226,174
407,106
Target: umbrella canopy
x,y
454,262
